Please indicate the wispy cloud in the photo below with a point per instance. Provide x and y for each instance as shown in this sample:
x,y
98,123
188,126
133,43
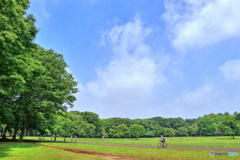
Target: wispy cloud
x,y
200,23
198,102
131,76
206,99
43,9
231,70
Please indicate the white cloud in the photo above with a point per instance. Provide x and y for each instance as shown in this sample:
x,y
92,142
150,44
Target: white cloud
x,y
128,82
206,99
231,70
199,23
200,101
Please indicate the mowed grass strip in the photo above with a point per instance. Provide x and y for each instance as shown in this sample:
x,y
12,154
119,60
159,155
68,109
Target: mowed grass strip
x,y
145,153
226,141
30,151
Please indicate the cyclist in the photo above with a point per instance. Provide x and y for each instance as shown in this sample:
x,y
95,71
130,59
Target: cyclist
x,y
162,139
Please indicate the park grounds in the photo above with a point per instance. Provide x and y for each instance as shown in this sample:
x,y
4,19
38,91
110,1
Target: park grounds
x,y
214,147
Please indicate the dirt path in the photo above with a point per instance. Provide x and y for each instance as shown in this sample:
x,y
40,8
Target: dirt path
x,y
95,154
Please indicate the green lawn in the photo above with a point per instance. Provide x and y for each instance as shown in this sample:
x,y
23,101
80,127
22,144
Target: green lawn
x,y
226,142
30,151
145,153
42,150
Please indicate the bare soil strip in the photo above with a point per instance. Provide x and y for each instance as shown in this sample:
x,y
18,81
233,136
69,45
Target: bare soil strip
x,y
95,154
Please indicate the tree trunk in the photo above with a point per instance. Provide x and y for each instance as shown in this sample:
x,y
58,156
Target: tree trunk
x,y
15,133
23,129
4,137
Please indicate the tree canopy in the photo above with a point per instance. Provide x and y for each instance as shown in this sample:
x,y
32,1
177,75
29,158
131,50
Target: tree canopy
x,y
34,82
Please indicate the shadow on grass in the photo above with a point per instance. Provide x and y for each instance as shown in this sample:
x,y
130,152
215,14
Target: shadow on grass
x,y
7,147
227,138
46,141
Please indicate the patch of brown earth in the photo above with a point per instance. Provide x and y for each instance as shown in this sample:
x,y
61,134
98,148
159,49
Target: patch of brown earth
x,y
95,154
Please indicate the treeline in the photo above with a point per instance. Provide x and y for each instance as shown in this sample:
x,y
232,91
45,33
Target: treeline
x,y
88,124
34,82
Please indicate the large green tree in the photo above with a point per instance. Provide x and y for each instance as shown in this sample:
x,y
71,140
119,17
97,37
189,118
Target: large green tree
x,y
49,90
207,125
227,125
237,123
230,124
17,31
120,131
136,130
182,131
93,118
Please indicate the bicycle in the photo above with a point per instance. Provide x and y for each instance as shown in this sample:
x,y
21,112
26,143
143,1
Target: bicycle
x,y
162,145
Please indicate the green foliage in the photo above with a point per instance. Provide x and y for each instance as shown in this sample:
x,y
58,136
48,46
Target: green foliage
x,y
85,124
95,126
17,31
34,82
63,125
227,125
230,124
207,125
152,129
237,124
120,131
192,130
169,132
182,131
49,86
73,124
174,123
136,130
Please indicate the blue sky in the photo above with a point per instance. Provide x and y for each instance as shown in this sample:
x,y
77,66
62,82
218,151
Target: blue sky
x,y
141,58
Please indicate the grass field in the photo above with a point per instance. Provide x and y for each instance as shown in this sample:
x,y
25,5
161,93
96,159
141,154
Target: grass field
x,y
30,151
226,142
53,150
145,153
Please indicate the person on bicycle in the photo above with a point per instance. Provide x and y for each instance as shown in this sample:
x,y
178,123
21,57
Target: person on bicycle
x,y
162,139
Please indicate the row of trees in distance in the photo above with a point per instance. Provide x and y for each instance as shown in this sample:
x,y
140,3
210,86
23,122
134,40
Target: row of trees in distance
x,y
88,124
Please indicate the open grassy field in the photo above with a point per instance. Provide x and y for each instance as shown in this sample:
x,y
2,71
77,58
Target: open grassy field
x,y
144,153
30,151
225,141
55,150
